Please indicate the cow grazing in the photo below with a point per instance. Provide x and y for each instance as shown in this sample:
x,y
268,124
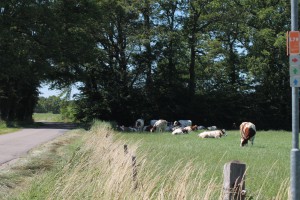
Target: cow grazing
x,y
213,134
139,124
248,131
159,125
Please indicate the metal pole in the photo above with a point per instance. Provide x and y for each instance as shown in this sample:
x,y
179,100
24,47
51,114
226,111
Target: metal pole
x,y
295,172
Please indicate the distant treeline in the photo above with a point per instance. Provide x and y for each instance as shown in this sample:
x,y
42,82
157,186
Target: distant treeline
x,y
56,105
214,62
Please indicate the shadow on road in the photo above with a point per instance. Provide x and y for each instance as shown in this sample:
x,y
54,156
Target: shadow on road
x,y
57,125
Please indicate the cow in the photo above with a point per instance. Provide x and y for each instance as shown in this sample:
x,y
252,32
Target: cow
x,y
248,131
213,134
139,124
191,128
180,131
152,122
147,128
159,125
183,123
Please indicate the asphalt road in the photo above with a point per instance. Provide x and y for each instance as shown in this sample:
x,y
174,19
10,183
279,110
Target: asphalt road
x,y
14,145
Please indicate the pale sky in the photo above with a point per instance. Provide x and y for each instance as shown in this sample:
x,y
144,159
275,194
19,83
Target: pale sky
x,y
46,92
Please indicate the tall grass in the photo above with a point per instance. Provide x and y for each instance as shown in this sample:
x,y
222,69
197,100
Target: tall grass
x,y
168,167
16,176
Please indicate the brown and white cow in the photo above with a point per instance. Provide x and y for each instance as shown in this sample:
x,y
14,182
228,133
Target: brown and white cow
x,y
248,131
159,125
191,128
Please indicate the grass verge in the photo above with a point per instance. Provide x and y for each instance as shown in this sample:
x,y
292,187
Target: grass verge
x,y
4,129
17,176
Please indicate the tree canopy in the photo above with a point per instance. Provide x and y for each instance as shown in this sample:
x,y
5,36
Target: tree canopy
x,y
214,62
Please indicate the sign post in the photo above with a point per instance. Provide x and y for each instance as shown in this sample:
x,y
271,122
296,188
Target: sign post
x,y
294,65
294,46
294,51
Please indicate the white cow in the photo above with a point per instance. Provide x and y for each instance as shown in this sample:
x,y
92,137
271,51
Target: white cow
x,y
139,124
179,131
160,125
213,134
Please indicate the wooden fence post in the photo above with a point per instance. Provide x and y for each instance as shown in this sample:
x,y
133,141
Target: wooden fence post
x,y
134,167
234,181
134,172
125,149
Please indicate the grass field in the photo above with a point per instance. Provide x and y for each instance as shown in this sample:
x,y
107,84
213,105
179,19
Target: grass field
x,y
168,167
47,117
267,162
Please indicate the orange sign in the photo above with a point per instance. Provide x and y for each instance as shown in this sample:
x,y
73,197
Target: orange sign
x,y
294,42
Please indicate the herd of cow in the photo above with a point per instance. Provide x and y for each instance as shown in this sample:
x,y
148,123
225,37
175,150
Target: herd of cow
x,y
247,129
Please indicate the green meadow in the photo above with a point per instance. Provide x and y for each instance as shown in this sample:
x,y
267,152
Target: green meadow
x,y
95,166
267,161
47,117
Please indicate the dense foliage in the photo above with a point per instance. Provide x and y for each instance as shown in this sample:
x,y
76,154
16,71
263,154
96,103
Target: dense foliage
x,y
51,104
56,105
214,62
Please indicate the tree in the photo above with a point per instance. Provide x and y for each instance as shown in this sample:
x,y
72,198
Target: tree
x,y
51,104
23,57
267,62
221,60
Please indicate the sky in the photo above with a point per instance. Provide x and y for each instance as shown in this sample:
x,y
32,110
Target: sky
x,y
46,92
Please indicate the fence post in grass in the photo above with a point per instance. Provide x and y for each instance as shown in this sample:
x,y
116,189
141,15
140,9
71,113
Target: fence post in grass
x,y
134,172
134,167
234,181
125,148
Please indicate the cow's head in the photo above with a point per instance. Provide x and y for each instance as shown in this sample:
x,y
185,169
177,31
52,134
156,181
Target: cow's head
x,y
224,132
185,131
194,128
153,129
243,142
